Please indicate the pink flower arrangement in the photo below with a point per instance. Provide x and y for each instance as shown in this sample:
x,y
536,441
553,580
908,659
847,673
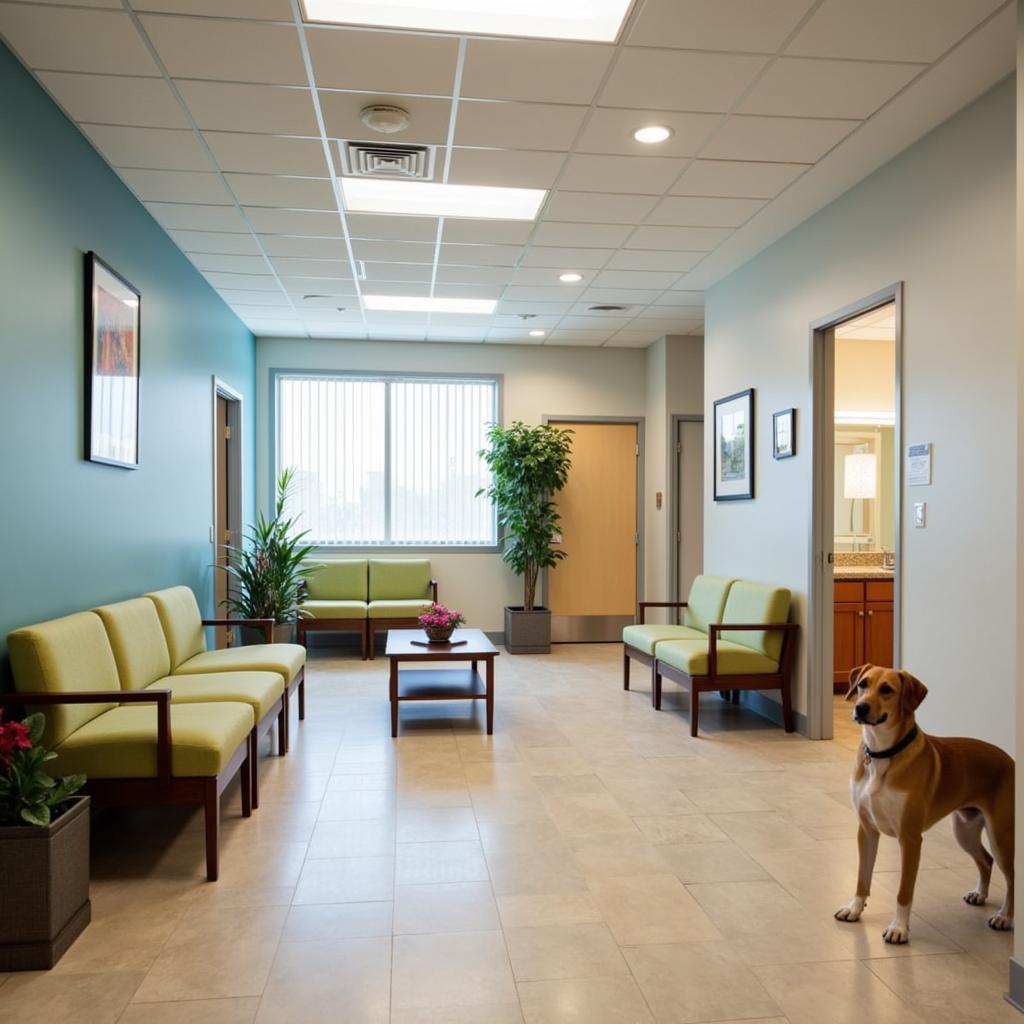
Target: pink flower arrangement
x,y
439,617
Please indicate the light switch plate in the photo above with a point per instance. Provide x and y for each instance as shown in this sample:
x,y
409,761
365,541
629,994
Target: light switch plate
x,y
920,514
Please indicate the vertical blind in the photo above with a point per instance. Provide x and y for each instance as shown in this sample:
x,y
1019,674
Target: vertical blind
x,y
387,461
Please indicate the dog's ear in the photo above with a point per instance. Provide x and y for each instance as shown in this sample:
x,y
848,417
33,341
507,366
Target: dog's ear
x,y
912,692
856,675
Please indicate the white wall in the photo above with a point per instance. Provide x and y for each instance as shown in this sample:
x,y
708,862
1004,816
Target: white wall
x,y
940,217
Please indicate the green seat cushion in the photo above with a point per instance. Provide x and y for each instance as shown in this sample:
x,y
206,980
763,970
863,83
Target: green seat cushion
x,y
284,659
752,603
399,579
182,622
691,657
337,579
121,744
397,609
335,609
137,638
706,602
644,638
260,690
64,656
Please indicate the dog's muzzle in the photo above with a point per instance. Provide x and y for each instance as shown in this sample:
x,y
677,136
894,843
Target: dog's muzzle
x,y
861,713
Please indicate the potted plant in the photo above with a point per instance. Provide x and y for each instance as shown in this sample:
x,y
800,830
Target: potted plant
x,y
268,574
529,465
439,623
44,852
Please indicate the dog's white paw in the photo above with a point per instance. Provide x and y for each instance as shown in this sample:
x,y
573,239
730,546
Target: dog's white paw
x,y
896,934
1001,922
976,898
851,911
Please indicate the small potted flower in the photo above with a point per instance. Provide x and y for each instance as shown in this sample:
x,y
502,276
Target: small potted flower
x,y
44,852
439,623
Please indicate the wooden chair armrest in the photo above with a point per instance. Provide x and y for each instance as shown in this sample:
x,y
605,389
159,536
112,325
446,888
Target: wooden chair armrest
x,y
433,590
267,625
644,605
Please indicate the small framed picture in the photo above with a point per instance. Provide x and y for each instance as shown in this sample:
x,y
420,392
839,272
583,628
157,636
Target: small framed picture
x,y
734,447
112,308
784,434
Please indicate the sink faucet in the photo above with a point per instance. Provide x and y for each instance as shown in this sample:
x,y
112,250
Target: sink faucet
x,y
888,559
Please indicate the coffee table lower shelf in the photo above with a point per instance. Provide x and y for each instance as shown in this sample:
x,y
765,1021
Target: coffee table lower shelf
x,y
442,684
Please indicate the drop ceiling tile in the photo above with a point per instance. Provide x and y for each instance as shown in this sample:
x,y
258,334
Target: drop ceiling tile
x,y
676,297
398,229
176,186
168,149
293,222
610,130
912,30
387,251
301,286
64,39
604,324
491,232
480,255
455,335
668,325
263,313
265,109
428,125
268,154
617,296
375,272
229,264
580,236
332,302
243,282
804,87
670,79
480,324
649,175
387,318
547,126
583,338
474,275
508,167
276,329
786,139
268,10
598,207
232,51
752,26
388,61
274,190
654,279
241,298
304,248
416,289
105,99
633,339
541,70
671,313
519,323
640,259
323,316
290,267
340,331
557,256
539,293
737,178
685,239
690,211
197,218
548,276
214,242
510,336
511,307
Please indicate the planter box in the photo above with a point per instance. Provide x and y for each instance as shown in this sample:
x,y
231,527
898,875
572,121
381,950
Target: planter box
x,y
44,889
284,633
527,632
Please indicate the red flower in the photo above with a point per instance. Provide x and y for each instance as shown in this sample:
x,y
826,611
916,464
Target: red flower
x,y
13,736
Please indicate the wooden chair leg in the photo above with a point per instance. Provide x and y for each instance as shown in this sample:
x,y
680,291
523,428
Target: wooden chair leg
x,y
372,639
362,640
655,686
282,726
302,698
625,671
211,805
254,771
735,694
245,775
694,708
787,708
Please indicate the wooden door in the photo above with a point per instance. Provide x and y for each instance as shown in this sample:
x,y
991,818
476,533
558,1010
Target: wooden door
x,y
847,640
592,593
878,633
222,527
690,503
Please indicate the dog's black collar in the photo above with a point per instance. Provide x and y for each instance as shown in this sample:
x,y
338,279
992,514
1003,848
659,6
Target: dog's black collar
x,y
879,755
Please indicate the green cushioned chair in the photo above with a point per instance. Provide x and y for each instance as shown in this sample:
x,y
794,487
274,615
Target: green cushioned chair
x,y
400,590
134,746
336,595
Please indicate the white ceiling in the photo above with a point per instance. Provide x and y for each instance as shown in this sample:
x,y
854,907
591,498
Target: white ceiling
x,y
222,115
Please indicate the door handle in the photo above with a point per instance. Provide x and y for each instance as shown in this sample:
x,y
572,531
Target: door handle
x,y
861,614
871,613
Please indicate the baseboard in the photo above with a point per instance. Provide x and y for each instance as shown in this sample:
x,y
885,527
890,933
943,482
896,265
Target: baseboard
x,y
772,710
1015,997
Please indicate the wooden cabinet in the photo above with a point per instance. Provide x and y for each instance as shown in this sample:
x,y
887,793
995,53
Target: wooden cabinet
x,y
862,629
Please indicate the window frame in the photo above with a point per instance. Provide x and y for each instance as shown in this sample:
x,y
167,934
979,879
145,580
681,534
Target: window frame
x,y
276,374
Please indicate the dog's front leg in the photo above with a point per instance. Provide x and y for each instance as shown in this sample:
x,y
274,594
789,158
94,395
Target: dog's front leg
x,y
867,847
898,931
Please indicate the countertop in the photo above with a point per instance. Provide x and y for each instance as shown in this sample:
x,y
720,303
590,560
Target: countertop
x,y
862,572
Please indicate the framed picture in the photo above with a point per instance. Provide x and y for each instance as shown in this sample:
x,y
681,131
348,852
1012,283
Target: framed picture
x,y
784,434
112,339
734,447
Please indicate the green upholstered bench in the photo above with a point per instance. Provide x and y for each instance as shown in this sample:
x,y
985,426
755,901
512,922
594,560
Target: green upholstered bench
x,y
400,590
335,599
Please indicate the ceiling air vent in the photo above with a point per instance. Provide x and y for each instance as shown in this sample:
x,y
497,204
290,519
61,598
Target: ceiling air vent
x,y
381,160
607,308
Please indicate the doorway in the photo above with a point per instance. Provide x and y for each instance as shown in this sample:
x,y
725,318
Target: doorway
x,y
593,592
227,495
687,505
855,572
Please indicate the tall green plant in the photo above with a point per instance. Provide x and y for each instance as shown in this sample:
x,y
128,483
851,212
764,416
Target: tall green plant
x,y
529,466
268,571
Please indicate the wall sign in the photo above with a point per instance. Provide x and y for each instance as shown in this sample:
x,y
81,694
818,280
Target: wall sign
x,y
919,465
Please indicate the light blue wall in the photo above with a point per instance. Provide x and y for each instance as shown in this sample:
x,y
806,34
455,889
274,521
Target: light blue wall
x,y
74,533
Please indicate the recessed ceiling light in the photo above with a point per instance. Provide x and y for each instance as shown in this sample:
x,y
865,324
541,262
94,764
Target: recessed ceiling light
x,y
595,20
537,334
415,304
431,199
570,277
652,133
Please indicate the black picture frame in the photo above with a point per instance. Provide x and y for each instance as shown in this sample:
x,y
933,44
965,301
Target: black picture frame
x,y
735,432
113,364
786,420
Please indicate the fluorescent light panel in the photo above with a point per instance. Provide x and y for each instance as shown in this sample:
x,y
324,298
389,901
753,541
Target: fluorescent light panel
x,y
593,20
432,199
414,304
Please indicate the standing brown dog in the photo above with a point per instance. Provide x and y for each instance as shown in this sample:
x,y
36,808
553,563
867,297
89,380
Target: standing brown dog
x,y
904,782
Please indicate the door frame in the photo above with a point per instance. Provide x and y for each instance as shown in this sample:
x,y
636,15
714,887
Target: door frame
x,y
821,402
639,422
675,540
235,468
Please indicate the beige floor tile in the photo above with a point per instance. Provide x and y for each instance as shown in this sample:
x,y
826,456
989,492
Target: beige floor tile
x,y
357,805
345,981
449,907
651,910
530,910
615,1000
427,863
544,867
711,862
664,829
437,824
582,814
346,880
601,856
564,951
320,921
193,1011
67,998
555,761
491,1013
754,831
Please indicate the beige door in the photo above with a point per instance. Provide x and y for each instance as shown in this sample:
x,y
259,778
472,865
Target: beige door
x,y
222,528
592,592
690,504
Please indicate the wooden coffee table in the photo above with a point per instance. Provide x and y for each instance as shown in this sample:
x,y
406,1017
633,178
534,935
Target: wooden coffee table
x,y
441,683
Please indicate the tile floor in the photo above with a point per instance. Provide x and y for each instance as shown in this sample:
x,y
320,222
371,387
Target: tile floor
x,y
590,863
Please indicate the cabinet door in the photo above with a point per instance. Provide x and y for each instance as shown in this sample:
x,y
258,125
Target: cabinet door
x,y
847,641
878,644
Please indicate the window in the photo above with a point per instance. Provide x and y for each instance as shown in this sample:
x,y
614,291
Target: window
x,y
388,461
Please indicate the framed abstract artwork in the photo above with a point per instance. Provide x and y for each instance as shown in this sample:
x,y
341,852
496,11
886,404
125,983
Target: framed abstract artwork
x,y
734,447
784,434
112,351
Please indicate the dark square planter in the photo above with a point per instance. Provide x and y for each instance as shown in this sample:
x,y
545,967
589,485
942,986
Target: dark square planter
x,y
527,632
44,889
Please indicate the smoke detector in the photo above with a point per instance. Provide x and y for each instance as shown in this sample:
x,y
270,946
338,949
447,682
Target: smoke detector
x,y
607,308
385,118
